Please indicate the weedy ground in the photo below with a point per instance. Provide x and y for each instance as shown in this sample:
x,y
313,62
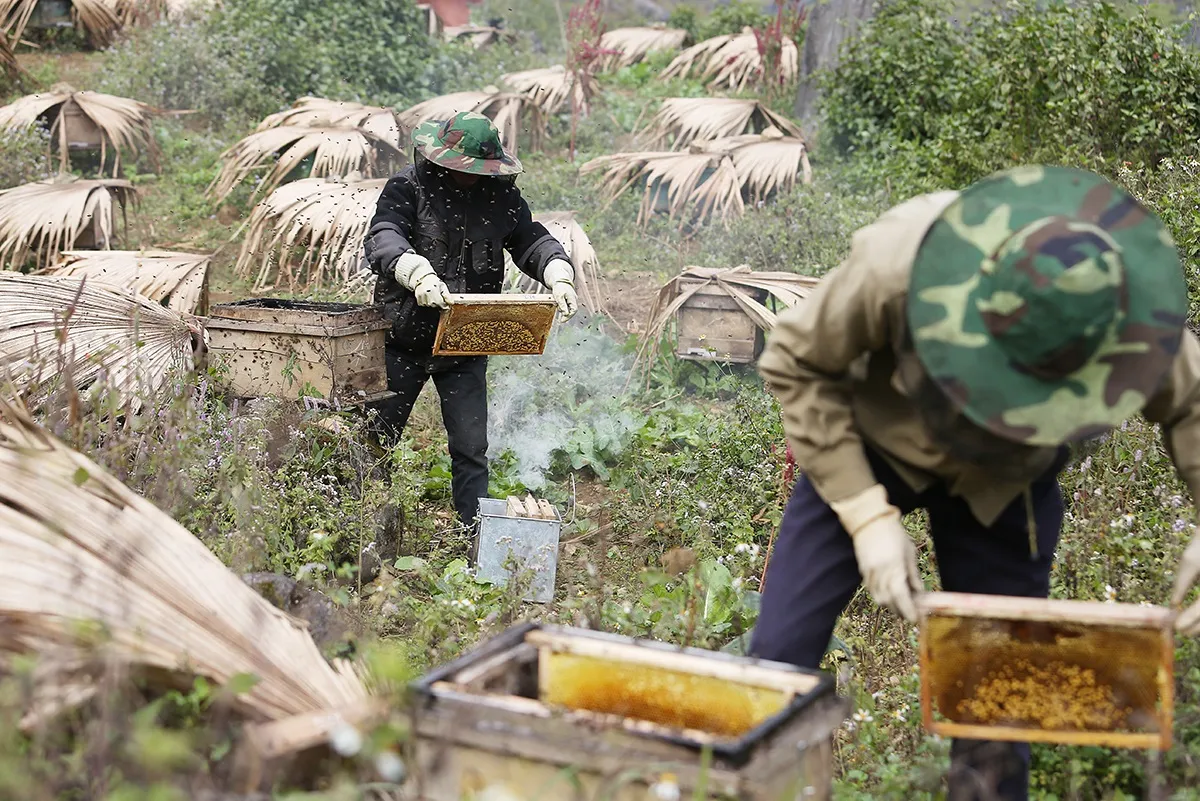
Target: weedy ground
x,y
670,482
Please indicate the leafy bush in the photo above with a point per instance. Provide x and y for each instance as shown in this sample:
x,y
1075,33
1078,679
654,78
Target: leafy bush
x,y
24,156
251,57
1018,83
724,19
188,65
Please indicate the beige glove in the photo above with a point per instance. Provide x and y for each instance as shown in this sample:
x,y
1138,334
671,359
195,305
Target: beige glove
x,y
559,275
414,272
1188,622
886,555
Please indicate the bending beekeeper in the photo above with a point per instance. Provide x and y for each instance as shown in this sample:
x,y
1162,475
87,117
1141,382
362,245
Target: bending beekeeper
x,y
968,338
441,226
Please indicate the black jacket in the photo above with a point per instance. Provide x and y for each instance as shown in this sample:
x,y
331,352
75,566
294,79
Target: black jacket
x,y
463,233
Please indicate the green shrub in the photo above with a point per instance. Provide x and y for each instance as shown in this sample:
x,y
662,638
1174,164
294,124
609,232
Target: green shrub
x,y
24,156
250,57
1063,83
187,65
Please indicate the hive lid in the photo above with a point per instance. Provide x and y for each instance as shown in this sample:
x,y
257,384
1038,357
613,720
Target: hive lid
x,y
300,316
495,325
1040,670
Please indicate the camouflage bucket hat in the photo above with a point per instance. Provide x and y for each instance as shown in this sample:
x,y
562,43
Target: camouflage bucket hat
x,y
467,142
1047,304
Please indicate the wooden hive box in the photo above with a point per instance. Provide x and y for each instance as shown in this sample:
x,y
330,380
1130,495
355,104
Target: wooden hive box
x,y
78,129
712,326
293,349
581,715
1051,671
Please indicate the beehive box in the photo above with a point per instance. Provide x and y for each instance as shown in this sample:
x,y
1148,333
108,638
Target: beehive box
x,y
495,325
1036,670
291,349
79,131
531,543
713,327
577,714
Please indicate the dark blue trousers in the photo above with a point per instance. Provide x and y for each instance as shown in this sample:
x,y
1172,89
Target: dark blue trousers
x,y
813,575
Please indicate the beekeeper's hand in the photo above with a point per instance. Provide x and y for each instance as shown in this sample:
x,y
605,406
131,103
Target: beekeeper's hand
x,y
1188,622
887,558
559,275
414,272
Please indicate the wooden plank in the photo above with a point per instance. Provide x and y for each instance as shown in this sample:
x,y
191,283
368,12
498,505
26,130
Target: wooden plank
x,y
291,313
1107,739
475,677
531,507
1044,610
514,506
298,329
740,673
547,511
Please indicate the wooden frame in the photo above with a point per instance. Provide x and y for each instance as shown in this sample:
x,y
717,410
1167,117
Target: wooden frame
x,y
535,312
475,722
1077,618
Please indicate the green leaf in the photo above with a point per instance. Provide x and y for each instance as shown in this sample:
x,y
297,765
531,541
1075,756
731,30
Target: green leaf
x,y
242,683
81,476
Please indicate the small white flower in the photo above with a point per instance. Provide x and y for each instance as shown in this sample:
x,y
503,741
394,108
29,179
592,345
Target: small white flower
x,y
666,788
345,740
390,766
1110,594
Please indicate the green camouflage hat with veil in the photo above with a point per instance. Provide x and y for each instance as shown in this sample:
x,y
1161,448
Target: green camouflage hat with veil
x,y
467,142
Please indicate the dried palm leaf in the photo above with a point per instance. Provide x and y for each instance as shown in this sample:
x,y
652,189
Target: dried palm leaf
x,y
175,280
8,60
99,19
782,290
163,602
477,36
683,120
308,233
508,111
704,184
43,219
634,44
56,330
710,178
731,62
335,153
317,112
563,226
114,123
553,88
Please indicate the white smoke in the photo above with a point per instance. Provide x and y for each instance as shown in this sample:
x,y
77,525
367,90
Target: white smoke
x,y
534,402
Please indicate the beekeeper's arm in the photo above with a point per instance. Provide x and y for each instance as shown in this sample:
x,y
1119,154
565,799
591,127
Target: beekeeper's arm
x,y
856,309
539,255
388,247
1176,408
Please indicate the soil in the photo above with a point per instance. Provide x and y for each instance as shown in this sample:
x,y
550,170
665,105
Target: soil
x,y
628,299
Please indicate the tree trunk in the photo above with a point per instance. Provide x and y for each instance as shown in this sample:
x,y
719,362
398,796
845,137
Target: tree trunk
x,y
829,25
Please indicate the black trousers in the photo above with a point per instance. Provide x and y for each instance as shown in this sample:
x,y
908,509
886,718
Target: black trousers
x,y
461,383
813,575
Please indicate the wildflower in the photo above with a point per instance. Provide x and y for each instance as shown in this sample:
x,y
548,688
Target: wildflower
x,y
345,739
863,716
1110,594
1137,455
390,766
1180,524
1176,501
666,788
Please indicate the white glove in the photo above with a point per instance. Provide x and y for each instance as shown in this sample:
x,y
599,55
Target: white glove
x,y
1188,622
414,272
887,558
559,275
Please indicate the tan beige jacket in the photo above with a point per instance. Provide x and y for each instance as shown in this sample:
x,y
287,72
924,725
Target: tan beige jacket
x,y
843,372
